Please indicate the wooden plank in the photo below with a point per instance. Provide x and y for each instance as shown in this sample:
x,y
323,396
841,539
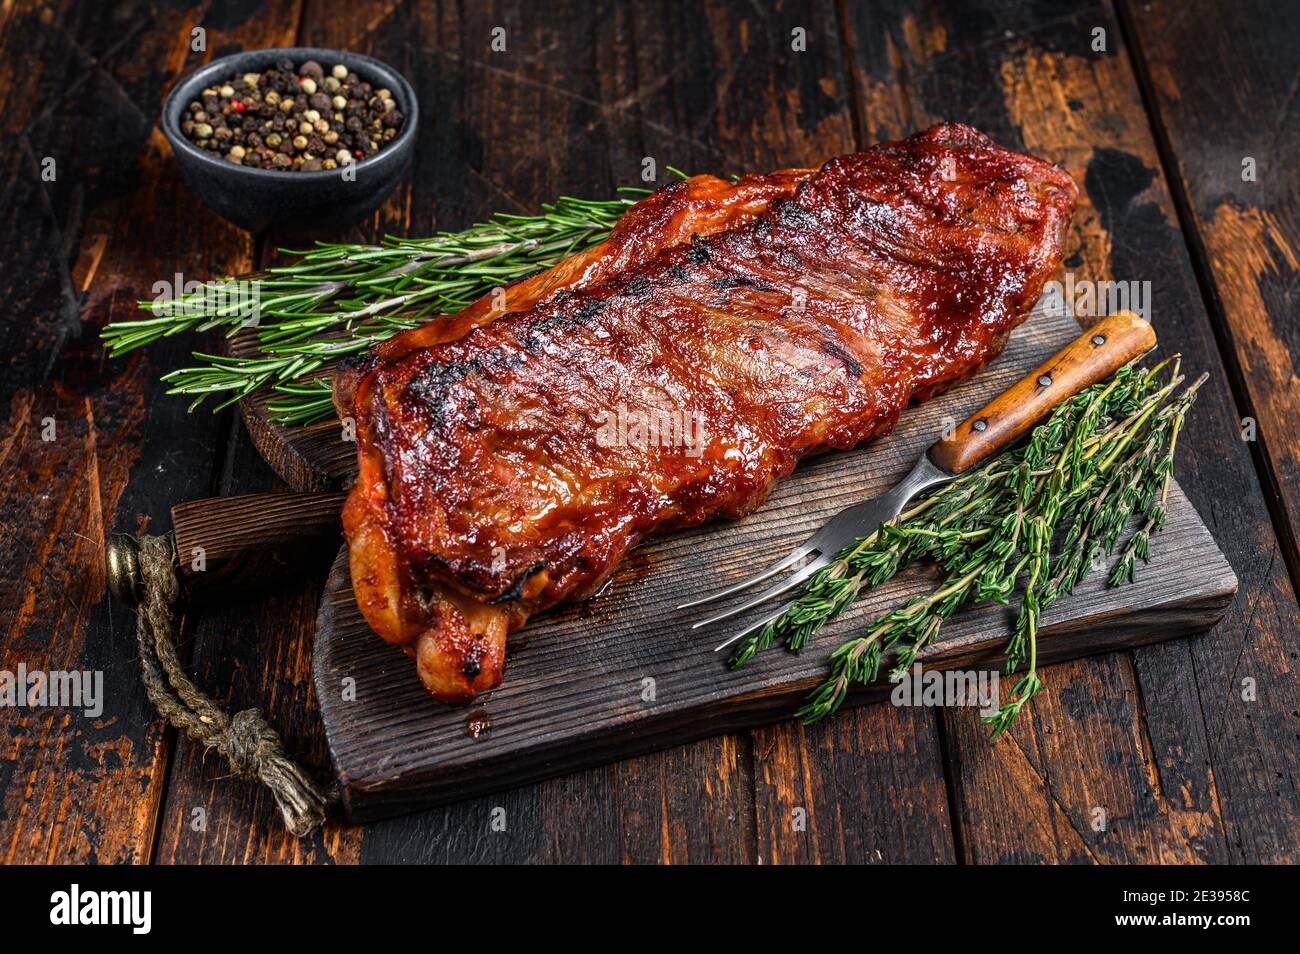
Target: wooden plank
x,y
865,787
1222,84
623,673
1176,788
1222,80
78,251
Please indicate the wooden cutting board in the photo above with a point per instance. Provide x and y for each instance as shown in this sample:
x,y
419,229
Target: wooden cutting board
x,y
624,674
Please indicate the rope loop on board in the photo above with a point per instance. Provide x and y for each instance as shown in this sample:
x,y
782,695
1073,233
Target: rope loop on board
x,y
246,740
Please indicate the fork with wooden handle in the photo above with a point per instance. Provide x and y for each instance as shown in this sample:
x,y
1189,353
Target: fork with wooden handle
x,y
1092,357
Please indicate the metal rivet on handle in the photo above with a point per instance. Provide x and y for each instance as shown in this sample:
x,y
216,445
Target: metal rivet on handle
x,y
1044,380
122,557
1099,339
980,425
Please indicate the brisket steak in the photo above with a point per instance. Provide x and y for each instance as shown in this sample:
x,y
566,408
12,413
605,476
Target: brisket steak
x,y
512,454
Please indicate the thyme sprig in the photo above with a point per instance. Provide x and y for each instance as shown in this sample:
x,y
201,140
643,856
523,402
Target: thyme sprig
x,y
1100,458
339,299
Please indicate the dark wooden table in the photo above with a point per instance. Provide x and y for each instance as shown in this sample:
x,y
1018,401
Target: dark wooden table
x,y
1188,747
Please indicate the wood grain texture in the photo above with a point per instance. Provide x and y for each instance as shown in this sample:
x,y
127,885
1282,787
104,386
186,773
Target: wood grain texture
x,y
848,790
1026,74
251,541
247,651
251,649
313,458
78,251
1221,84
1221,79
623,673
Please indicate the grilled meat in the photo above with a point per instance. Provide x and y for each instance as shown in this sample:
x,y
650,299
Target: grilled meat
x,y
509,458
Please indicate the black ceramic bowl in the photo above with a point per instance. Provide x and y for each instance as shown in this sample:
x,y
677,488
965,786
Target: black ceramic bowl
x,y
297,203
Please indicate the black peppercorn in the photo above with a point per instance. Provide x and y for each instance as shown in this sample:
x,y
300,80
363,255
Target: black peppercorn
x,y
293,118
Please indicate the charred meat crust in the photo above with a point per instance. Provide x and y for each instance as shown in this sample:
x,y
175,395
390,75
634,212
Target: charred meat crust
x,y
495,456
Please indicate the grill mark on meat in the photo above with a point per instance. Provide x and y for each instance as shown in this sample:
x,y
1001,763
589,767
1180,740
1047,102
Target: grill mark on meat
x,y
790,212
850,363
699,251
358,363
639,285
431,387
739,281
516,592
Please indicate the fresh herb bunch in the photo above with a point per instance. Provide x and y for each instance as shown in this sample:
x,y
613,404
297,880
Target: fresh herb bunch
x,y
338,299
1100,458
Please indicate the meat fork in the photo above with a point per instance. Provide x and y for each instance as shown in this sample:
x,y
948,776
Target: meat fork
x,y
1093,356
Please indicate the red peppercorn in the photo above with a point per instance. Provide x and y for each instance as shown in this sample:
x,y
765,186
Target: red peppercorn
x,y
359,154
238,106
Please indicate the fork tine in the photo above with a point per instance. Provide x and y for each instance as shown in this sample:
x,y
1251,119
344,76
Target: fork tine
x,y
753,626
789,583
795,556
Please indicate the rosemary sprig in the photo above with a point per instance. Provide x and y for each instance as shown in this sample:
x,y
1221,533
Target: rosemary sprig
x,y
339,299
1102,456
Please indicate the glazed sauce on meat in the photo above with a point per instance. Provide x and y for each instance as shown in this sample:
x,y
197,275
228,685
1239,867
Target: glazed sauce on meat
x,y
518,461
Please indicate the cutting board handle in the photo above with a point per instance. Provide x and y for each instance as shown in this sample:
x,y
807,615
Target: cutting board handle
x,y
225,544
1094,356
